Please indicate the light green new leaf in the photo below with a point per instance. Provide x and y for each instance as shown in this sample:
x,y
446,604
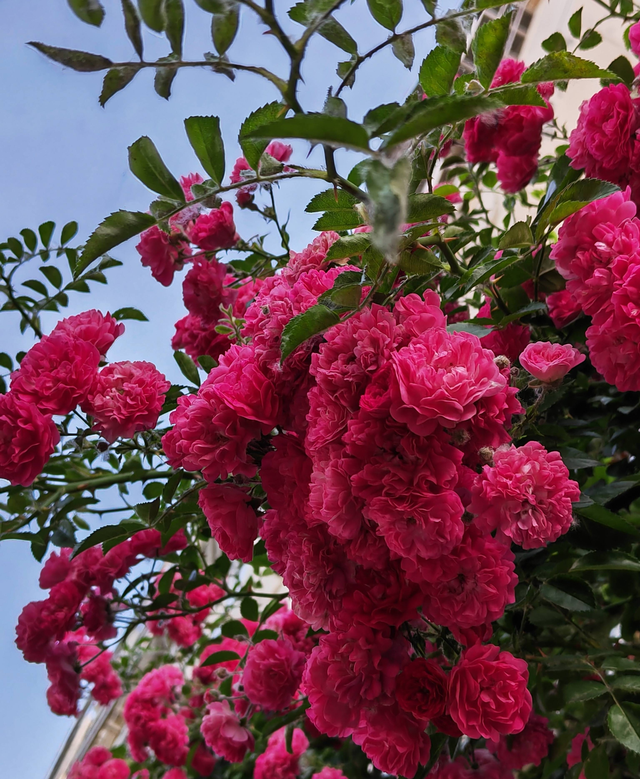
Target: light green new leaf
x,y
561,66
488,47
438,71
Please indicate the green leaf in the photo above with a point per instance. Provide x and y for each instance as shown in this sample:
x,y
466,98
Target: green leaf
x,y
332,31
349,246
624,724
438,71
251,147
30,239
89,11
6,361
519,94
624,69
68,232
317,128
224,27
115,80
219,657
338,221
188,368
575,23
114,230
590,40
596,766
299,329
516,237
469,327
261,635
568,592
132,25
110,533
555,42
129,313
82,61
574,459
151,14
163,77
488,47
148,511
233,629
449,32
423,207
440,111
603,516
36,286
404,50
52,275
331,200
571,199
173,11
386,12
606,561
343,297
562,65
46,232
206,140
575,692
146,164
249,609
628,683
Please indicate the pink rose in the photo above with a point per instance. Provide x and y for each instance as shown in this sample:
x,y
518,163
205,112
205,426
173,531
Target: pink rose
x,y
215,230
222,731
550,362
126,399
488,695
277,762
233,522
563,308
272,674
164,253
203,288
634,38
27,439
93,327
530,746
575,753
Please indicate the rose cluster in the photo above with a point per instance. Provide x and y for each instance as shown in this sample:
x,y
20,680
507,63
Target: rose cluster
x,y
598,253
369,441
61,372
510,137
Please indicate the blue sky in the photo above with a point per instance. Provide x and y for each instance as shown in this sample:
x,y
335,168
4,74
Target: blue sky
x,y
64,158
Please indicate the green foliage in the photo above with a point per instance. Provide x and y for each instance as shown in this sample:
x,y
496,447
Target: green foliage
x,y
251,147
439,70
488,47
312,321
146,164
206,140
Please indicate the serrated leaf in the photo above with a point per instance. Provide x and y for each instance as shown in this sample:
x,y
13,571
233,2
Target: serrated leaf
x,y
575,23
440,111
89,11
516,237
624,724
132,25
404,50
376,120
331,200
114,230
252,147
148,511
555,42
115,80
219,657
110,533
386,12
348,246
449,32
568,592
571,199
299,329
82,61
338,221
423,207
163,80
575,692
488,47
317,128
173,24
606,561
206,140
146,164
129,313
332,31
519,94
438,71
188,368
561,66
627,683
224,27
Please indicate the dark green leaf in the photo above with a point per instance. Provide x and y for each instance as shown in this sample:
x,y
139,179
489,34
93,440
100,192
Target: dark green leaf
x,y
45,232
628,683
90,11
36,286
205,138
488,47
575,692
555,42
624,724
571,199
423,207
519,94
440,111
596,766
219,657
469,327
163,77
68,232
517,236
188,368
115,80
233,629
132,25
318,128
224,27
6,361
349,246
590,40
575,23
148,511
151,13
569,592
624,69
116,229
147,165
261,635
81,61
299,329
386,12
332,31
562,65
449,32
52,275
129,313
606,561
331,200
574,459
338,220
110,533
438,71
249,609
173,11
30,239
251,147
404,50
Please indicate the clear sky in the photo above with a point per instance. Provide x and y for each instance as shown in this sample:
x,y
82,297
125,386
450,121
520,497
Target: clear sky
x,y
64,158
